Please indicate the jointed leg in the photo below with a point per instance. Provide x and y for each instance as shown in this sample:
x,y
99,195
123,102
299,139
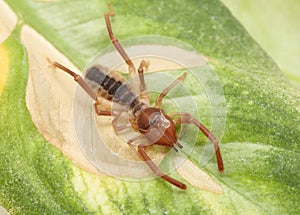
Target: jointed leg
x,y
103,112
143,65
186,118
159,99
120,49
115,41
144,94
102,105
117,127
142,153
76,77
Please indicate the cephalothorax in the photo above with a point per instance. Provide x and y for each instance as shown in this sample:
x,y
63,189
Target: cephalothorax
x,y
152,123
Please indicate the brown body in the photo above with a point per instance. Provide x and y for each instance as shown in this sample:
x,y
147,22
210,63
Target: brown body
x,y
157,127
153,124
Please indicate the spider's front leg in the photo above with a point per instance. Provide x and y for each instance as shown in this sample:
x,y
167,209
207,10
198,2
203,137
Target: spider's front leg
x,y
186,118
156,170
141,151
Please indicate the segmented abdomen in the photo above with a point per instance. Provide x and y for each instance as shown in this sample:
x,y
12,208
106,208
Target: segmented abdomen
x,y
110,88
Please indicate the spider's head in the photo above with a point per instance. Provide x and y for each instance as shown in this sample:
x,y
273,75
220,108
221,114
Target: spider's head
x,y
157,126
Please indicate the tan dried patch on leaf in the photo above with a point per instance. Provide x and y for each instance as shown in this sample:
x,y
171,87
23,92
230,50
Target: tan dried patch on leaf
x,y
3,211
159,57
49,96
195,176
8,21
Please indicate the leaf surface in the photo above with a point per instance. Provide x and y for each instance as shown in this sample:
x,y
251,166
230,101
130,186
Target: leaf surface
x,y
260,145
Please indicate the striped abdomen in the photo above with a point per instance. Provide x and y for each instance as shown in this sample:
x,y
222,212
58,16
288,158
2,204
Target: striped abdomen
x,y
111,88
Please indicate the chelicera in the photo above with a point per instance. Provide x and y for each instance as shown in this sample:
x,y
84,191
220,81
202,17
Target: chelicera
x,y
152,123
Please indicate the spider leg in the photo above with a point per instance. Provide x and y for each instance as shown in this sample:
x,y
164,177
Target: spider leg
x,y
117,127
144,94
76,77
116,43
122,52
142,153
186,118
159,99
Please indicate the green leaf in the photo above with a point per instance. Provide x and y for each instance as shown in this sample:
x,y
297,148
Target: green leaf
x,y
260,145
274,25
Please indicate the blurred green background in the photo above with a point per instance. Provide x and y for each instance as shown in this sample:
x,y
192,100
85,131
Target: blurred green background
x,y
275,25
